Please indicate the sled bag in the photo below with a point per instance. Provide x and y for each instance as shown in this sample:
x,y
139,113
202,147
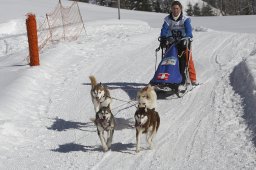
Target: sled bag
x,y
168,70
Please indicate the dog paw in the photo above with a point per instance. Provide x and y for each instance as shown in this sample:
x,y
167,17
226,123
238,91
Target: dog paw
x,y
105,149
109,145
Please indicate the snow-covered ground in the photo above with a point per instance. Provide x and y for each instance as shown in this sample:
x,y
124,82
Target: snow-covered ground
x,y
45,111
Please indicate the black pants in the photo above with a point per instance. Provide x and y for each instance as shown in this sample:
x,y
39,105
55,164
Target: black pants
x,y
182,60
182,64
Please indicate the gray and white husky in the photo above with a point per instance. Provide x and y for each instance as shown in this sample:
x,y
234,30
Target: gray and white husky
x,y
100,95
105,122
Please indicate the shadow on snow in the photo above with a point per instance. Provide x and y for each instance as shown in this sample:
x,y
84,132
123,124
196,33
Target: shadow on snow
x,y
73,147
63,125
130,88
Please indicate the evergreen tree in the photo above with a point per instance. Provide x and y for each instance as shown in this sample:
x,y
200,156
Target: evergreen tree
x,y
166,5
101,2
142,5
189,10
156,6
196,10
86,1
125,4
207,10
253,7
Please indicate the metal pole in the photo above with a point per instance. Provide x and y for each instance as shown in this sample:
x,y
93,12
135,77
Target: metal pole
x,y
81,17
50,29
118,9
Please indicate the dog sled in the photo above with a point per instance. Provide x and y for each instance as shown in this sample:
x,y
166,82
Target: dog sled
x,y
168,77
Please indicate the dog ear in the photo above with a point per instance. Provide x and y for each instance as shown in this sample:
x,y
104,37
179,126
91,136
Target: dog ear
x,y
144,89
108,107
100,110
101,84
150,88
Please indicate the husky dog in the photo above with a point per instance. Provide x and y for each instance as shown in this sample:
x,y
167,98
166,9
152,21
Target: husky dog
x,y
146,121
105,121
100,95
147,97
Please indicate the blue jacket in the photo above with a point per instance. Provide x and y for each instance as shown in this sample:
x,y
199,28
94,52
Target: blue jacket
x,y
177,29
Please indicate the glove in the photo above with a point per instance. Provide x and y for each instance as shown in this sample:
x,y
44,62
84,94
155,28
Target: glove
x,y
171,40
163,41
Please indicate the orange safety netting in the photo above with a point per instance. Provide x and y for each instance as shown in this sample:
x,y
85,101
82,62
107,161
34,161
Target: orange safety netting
x,y
64,23
32,39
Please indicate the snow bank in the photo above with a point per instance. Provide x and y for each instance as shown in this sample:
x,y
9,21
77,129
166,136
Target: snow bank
x,y
243,80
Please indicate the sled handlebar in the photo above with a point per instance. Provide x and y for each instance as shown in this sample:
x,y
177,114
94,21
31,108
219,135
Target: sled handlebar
x,y
168,41
171,39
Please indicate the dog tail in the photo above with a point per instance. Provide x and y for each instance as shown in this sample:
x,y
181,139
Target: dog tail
x,y
152,93
93,81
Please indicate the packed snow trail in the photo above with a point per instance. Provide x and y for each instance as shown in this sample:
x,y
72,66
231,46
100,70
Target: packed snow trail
x,y
202,130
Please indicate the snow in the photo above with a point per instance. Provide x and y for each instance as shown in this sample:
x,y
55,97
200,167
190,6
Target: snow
x,y
45,111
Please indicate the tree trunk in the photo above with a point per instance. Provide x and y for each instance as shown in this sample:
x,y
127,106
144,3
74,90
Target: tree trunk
x,y
253,7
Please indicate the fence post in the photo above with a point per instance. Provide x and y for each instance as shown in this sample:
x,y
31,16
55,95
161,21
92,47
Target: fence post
x,y
32,39
80,16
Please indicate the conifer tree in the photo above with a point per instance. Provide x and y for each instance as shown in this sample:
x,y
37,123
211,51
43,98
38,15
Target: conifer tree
x,y
207,10
196,10
189,10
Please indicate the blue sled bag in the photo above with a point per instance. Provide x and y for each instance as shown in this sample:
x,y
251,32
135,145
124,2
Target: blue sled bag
x,y
168,70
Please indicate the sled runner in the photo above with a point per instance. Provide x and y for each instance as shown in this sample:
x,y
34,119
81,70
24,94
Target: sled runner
x,y
168,77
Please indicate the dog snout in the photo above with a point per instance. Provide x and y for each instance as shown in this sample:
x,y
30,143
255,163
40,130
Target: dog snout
x,y
104,117
142,104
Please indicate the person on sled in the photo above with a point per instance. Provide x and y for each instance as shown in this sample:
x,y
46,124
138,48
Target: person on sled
x,y
178,26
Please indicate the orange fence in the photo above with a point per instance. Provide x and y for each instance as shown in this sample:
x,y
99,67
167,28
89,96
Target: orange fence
x,y
32,39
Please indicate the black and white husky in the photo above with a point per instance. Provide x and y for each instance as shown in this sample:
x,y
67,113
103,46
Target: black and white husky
x,y
146,121
105,122
100,95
